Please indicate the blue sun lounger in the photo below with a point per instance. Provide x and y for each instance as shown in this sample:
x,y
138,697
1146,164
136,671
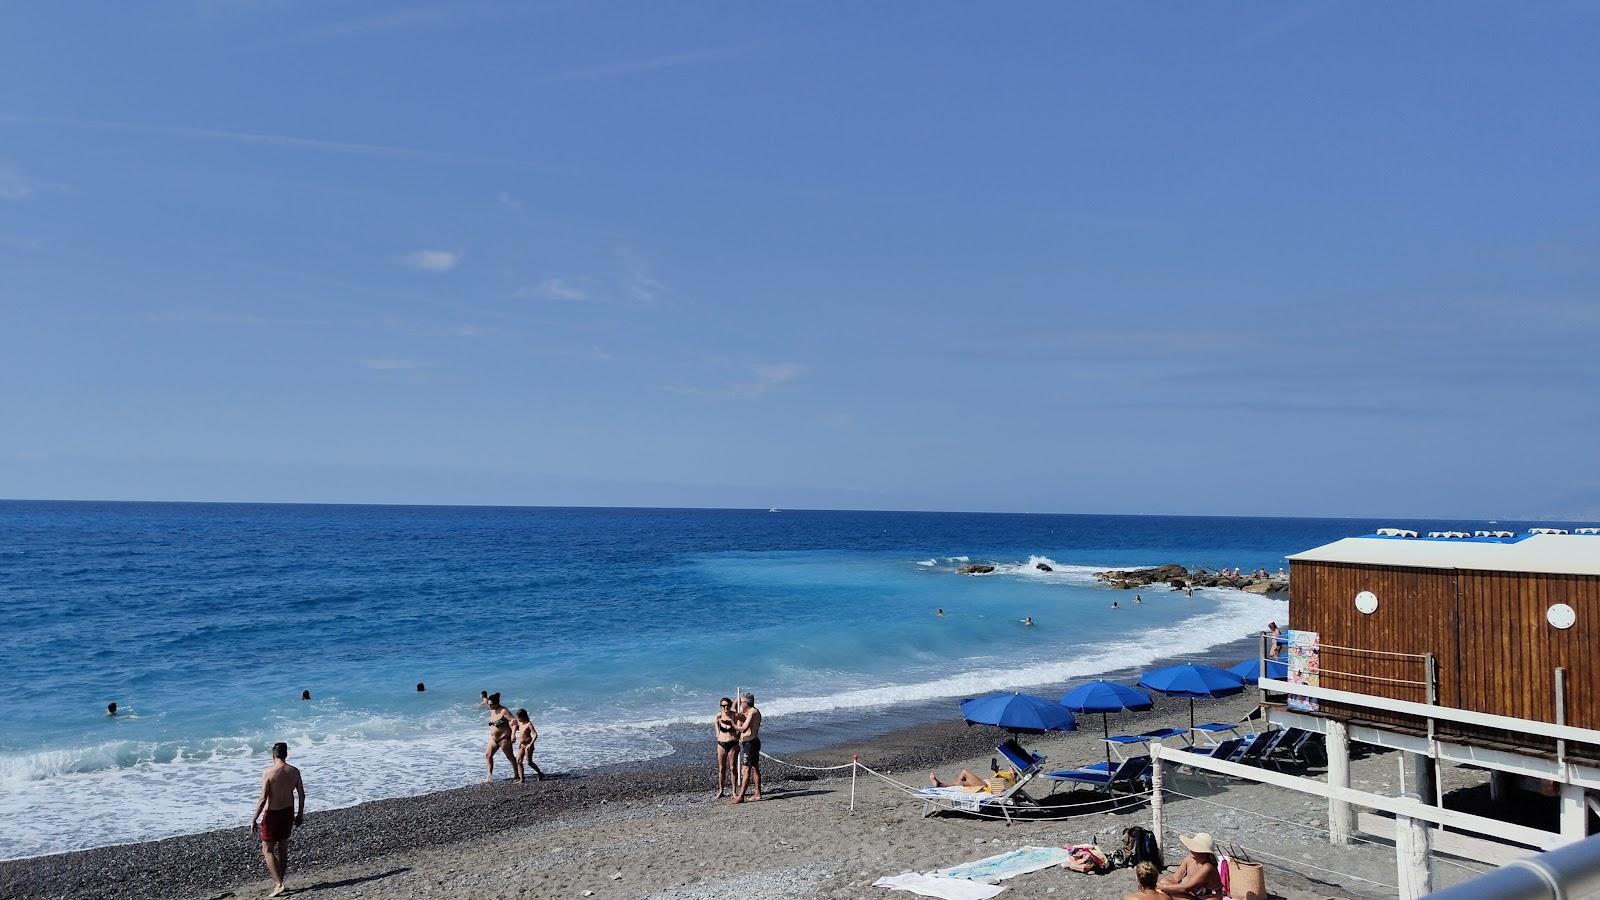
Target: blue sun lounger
x,y
1130,771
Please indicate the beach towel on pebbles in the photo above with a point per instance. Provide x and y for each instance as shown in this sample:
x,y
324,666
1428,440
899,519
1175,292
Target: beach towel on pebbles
x,y
1009,865
935,885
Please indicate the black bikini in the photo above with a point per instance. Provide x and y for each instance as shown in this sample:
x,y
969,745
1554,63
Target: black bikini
x,y
729,744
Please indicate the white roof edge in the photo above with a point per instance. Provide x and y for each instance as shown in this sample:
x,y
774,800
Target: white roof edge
x,y
1548,554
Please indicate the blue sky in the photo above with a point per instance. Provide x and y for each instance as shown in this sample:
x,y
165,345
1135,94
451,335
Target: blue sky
x,y
1262,258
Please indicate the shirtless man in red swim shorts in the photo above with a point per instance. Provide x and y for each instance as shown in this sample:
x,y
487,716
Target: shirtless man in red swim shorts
x,y
280,785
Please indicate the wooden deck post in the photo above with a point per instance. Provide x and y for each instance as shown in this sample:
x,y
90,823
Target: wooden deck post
x,y
1413,855
1157,817
1339,812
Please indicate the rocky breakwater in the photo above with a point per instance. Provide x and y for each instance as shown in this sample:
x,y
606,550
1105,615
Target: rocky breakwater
x,y
1178,578
975,569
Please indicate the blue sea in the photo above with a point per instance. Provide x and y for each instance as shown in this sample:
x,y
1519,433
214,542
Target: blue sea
x,y
613,627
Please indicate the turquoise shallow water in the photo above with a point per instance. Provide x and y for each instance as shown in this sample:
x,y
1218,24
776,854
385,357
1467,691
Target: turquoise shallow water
x,y
205,622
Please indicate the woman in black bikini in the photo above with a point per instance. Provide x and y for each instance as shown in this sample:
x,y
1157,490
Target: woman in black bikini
x,y
727,735
500,729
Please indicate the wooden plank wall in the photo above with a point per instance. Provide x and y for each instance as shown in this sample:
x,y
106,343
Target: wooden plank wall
x,y
1487,630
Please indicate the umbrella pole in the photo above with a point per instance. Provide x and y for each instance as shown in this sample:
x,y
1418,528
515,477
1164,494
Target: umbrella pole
x,y
1105,731
1191,719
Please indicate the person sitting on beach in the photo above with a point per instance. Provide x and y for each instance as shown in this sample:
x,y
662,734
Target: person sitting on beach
x,y
527,735
726,733
1147,875
280,787
500,733
748,722
1197,877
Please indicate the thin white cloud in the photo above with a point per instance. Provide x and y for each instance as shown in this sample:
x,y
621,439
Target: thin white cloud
x,y
760,378
285,141
432,260
556,289
508,201
13,184
634,66
639,284
389,364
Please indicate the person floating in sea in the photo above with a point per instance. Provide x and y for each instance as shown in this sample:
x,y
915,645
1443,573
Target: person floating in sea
x,y
483,698
1115,605
1028,622
1138,599
500,729
939,612
305,695
421,687
1197,875
280,787
725,729
111,710
749,724
528,736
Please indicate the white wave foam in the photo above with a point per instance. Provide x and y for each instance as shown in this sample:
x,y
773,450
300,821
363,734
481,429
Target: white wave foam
x,y
928,562
191,792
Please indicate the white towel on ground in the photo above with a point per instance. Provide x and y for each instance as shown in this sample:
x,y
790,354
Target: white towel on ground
x,y
934,885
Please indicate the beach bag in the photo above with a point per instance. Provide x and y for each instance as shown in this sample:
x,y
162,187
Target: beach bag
x,y
1247,881
1138,845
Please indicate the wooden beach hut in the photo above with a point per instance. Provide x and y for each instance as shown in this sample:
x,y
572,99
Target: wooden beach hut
x,y
1476,648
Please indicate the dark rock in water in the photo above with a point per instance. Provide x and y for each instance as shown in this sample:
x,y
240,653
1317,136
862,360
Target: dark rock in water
x,y
1177,584
1171,573
1043,567
975,569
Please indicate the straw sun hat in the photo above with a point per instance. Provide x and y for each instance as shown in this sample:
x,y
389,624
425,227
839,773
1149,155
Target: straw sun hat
x,y
1199,842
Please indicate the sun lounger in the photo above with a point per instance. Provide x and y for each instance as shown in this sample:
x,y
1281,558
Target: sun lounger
x,y
946,799
1222,751
1130,772
1162,734
1251,753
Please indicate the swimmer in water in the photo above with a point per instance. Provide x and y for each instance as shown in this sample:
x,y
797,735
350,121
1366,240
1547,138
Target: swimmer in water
x,y
1138,599
483,698
1115,605
1028,621
305,695
421,687
940,612
111,710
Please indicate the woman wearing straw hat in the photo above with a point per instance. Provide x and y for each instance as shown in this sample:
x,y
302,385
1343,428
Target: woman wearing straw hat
x,y
1197,875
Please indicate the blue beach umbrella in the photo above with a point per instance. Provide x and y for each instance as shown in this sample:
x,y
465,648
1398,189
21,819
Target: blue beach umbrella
x,y
1105,697
1250,669
1192,681
1018,713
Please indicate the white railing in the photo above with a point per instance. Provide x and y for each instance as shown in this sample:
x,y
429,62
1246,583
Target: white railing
x,y
1572,871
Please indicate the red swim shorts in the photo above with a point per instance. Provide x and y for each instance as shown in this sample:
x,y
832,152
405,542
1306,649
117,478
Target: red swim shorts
x,y
277,824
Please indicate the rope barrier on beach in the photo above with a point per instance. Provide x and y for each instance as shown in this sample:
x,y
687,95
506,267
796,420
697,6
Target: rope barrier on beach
x,y
1291,863
795,765
1316,828
1120,802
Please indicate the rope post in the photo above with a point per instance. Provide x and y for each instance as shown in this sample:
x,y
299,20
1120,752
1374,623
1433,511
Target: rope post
x,y
1157,819
855,766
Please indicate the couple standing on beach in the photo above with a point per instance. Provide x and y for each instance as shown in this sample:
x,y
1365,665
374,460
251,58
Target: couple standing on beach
x,y
738,734
505,730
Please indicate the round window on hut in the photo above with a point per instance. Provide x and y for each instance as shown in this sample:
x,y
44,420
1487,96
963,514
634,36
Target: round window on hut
x,y
1367,602
1561,616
